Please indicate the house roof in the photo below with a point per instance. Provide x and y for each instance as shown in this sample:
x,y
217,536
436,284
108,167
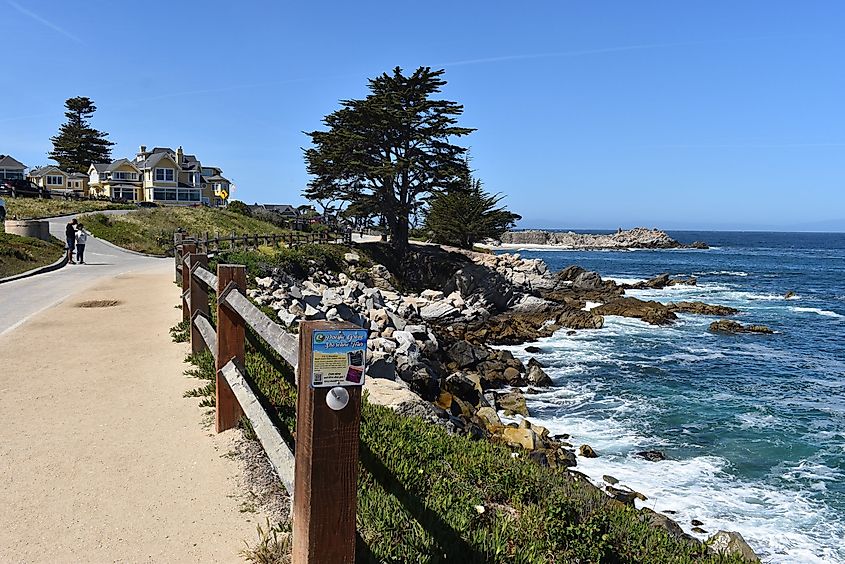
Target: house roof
x,y
114,165
214,178
45,170
154,159
6,161
77,175
278,208
100,167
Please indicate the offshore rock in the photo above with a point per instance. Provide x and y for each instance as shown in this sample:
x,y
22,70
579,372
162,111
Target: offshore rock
x,y
701,308
651,312
728,326
637,238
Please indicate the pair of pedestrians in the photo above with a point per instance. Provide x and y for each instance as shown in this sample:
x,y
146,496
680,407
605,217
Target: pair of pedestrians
x,y
76,239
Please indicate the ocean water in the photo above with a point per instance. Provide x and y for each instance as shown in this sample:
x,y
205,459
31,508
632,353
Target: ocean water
x,y
753,425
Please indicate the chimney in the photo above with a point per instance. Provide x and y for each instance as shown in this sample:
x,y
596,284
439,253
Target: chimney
x,y
143,149
179,155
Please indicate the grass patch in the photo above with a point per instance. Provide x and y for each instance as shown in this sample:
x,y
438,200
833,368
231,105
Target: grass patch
x,y
19,254
151,230
34,208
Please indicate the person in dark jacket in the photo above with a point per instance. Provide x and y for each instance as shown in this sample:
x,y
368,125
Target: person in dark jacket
x,y
70,236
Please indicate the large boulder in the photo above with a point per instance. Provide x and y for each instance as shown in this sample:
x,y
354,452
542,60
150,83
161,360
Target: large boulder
x,y
512,402
730,543
489,285
536,375
525,438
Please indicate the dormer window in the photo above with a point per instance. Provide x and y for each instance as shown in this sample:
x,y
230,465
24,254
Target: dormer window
x,y
164,175
118,175
54,180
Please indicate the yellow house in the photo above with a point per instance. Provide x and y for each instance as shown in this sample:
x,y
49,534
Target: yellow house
x,y
160,175
119,179
50,177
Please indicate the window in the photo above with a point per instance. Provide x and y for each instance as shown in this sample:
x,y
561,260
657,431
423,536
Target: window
x,y
124,193
164,175
10,174
54,180
124,176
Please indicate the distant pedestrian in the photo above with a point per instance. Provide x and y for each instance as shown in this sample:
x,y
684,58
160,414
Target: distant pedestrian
x,y
70,237
81,238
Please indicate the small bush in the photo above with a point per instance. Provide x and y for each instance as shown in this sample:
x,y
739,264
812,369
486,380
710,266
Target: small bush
x,y
236,206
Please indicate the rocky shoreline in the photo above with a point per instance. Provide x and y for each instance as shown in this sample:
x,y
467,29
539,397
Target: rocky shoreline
x,y
433,336
636,238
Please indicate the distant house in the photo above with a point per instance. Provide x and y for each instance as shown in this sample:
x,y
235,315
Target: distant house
x,y
11,169
285,210
117,179
161,175
50,177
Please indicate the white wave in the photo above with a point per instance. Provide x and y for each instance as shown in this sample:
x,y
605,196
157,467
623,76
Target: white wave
x,y
722,273
623,280
590,305
825,312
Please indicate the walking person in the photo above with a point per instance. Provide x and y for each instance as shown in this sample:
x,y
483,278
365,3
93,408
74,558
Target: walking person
x,y
81,239
70,237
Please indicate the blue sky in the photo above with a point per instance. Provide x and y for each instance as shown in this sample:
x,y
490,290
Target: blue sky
x,y
699,114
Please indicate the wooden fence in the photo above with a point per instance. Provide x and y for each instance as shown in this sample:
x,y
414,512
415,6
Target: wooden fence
x,y
321,475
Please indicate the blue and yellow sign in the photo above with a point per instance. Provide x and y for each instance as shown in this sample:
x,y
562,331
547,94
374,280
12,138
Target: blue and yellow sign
x,y
338,357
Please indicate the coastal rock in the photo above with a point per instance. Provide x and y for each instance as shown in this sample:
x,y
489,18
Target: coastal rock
x,y
662,521
489,419
525,438
789,294
698,245
728,326
651,312
731,543
625,495
536,375
700,308
587,451
651,455
532,349
610,480
512,402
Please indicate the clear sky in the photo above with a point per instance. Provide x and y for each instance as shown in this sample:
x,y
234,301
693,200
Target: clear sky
x,y
695,114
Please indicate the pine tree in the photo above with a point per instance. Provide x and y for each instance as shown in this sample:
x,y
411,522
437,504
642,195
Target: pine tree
x,y
390,150
467,216
77,144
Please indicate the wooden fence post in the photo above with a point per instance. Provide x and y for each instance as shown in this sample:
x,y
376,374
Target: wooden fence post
x,y
230,345
326,470
177,254
187,249
199,300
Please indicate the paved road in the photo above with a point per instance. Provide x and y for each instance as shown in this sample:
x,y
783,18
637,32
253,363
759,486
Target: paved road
x,y
21,299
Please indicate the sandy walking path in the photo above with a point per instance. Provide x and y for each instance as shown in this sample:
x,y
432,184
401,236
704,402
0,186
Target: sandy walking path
x,y
101,458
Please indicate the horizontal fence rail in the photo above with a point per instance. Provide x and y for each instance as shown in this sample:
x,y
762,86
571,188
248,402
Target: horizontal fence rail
x,y
321,473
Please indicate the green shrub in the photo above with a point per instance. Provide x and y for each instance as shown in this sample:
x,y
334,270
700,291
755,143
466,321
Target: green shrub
x,y
236,206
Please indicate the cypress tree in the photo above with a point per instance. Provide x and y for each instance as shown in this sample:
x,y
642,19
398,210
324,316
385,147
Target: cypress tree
x,y
77,144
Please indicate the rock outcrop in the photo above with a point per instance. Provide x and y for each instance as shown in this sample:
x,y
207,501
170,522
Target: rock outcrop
x,y
700,308
730,543
637,238
728,326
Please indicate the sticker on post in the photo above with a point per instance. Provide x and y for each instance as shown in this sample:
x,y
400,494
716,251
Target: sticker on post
x,y
337,357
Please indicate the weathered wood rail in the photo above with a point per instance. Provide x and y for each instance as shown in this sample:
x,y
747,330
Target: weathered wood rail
x,y
321,475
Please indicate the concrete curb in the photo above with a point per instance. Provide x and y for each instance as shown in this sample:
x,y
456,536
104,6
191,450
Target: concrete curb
x,y
41,270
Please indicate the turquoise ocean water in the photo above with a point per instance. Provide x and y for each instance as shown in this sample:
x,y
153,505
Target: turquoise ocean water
x,y
753,425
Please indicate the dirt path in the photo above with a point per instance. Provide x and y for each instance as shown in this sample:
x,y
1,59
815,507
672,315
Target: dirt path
x,y
101,458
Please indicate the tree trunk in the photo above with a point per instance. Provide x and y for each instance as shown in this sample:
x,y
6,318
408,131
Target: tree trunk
x,y
399,235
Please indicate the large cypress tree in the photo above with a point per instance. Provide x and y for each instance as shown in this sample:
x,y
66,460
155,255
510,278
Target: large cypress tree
x,y
77,144
390,150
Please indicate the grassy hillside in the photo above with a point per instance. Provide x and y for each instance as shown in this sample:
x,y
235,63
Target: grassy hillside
x,y
151,230
19,254
34,208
